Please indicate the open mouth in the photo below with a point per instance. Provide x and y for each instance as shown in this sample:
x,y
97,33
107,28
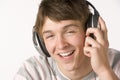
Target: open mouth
x,y
66,54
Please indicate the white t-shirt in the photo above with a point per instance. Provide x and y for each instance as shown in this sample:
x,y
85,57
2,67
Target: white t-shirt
x,y
45,68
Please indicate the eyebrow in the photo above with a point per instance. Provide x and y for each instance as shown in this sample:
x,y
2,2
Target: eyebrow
x,y
48,31
65,27
71,25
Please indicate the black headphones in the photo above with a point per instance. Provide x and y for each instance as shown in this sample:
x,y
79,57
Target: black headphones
x,y
91,22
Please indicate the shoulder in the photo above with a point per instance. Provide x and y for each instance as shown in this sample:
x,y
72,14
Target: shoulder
x,y
34,68
114,56
114,59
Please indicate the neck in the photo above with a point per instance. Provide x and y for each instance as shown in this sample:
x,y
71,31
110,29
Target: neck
x,y
78,72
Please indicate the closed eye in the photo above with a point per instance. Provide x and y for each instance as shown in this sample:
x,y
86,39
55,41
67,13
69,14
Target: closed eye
x,y
49,36
71,31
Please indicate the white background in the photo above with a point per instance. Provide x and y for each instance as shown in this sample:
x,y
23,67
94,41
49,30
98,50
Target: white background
x,y
17,17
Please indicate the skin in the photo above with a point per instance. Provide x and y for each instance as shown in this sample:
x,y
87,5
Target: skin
x,y
68,37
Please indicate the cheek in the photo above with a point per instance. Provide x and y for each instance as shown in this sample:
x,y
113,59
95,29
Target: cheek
x,y
49,47
78,41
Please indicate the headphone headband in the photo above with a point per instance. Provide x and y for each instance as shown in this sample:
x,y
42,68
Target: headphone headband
x,y
95,10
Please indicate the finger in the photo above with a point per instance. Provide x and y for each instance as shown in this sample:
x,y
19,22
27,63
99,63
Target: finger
x,y
104,30
90,42
90,51
87,51
103,27
97,33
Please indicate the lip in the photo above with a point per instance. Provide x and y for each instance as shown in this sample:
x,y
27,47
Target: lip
x,y
68,57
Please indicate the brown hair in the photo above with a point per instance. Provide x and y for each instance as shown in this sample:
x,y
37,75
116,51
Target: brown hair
x,y
58,10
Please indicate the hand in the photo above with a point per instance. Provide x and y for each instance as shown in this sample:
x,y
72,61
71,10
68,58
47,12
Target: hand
x,y
97,49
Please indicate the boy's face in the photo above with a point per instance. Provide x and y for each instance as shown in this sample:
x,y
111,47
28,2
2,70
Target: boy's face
x,y
64,41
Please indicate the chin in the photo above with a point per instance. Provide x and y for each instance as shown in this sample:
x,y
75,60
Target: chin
x,y
69,66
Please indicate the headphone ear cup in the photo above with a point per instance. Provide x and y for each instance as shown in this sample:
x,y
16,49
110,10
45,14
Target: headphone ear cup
x,y
39,44
95,20
92,22
93,16
89,21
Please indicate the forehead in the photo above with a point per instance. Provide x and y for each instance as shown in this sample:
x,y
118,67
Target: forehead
x,y
50,24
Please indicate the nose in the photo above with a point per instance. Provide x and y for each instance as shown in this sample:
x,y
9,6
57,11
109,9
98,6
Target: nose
x,y
61,43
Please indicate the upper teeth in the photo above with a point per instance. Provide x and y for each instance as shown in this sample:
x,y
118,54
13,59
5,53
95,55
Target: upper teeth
x,y
65,54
